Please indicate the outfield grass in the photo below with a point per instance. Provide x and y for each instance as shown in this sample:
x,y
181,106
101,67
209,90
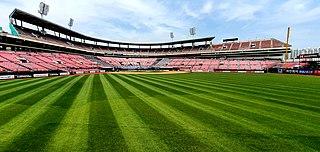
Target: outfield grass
x,y
179,112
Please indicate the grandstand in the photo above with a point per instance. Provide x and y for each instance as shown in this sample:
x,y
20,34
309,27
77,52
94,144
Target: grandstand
x,y
46,46
25,61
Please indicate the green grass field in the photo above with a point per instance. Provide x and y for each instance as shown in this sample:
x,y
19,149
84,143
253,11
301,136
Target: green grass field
x,y
185,112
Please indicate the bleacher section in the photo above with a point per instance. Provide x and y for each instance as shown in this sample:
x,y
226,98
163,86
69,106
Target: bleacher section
x,y
129,62
30,61
207,65
27,62
249,45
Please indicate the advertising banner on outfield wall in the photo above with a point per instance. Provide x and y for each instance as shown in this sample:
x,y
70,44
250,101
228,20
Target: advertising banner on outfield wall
x,y
79,72
258,71
53,74
305,71
292,71
64,73
316,72
23,76
6,77
40,75
102,70
242,71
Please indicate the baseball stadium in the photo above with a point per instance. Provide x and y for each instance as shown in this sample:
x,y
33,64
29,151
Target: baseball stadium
x,y
63,90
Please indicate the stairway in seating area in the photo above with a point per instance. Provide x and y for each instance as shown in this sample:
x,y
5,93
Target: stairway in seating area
x,y
95,59
162,62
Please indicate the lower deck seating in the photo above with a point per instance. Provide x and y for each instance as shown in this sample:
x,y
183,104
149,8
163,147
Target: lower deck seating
x,y
206,65
31,61
13,67
3,70
129,62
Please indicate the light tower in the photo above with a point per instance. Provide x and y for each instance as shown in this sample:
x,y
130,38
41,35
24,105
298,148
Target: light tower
x,y
71,21
171,35
193,31
44,9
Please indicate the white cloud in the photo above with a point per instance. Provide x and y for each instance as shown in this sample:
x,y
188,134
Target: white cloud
x,y
197,12
190,12
296,12
207,7
240,10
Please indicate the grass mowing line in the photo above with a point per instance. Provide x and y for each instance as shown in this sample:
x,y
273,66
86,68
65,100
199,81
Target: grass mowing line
x,y
21,89
194,127
228,116
263,83
12,81
72,133
104,131
301,123
173,135
16,126
38,134
241,83
281,93
271,79
135,132
192,99
266,128
17,83
267,131
254,96
12,110
20,95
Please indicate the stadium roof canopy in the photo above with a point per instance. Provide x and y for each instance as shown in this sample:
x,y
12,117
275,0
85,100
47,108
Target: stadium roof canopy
x,y
37,21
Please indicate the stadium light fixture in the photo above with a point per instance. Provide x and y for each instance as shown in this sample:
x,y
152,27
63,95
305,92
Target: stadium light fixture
x,y
44,9
193,31
71,21
171,35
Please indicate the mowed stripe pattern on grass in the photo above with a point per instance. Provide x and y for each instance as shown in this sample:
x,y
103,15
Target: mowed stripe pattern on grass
x,y
188,112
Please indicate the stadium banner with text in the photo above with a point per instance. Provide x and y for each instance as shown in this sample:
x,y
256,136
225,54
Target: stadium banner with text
x,y
102,70
289,71
258,71
53,74
242,71
6,77
40,75
64,73
309,72
24,76
79,72
305,71
316,72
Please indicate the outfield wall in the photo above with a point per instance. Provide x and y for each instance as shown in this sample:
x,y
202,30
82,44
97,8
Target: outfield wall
x,y
233,71
41,75
52,74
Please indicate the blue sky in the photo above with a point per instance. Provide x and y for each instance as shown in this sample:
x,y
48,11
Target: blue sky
x,y
153,20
